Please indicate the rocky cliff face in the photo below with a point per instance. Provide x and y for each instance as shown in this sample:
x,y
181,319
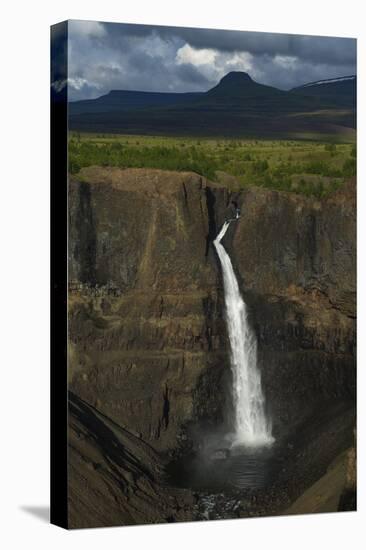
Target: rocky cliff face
x,y
148,344
297,261
147,338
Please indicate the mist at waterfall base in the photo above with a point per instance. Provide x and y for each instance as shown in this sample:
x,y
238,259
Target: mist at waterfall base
x,y
241,456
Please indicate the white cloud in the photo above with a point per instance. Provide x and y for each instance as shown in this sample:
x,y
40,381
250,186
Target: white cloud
x,y
242,61
79,83
187,54
213,64
285,61
74,83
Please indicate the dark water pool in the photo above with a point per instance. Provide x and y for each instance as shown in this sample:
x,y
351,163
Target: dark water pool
x,y
227,469
228,483
236,481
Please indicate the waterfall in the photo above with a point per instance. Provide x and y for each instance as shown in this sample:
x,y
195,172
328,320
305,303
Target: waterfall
x,y
251,425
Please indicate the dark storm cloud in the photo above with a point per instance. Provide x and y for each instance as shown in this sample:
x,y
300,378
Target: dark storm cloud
x,y
310,48
105,56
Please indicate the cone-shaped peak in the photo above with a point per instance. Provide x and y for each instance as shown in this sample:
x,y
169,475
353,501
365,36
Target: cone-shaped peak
x,y
239,86
236,77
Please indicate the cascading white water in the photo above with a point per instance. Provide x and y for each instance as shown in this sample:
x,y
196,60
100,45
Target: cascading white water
x,y
251,425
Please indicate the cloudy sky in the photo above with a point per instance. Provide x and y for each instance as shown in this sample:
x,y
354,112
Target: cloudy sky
x,y
109,56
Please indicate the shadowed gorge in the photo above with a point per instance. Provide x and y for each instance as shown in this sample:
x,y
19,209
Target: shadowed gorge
x,y
149,354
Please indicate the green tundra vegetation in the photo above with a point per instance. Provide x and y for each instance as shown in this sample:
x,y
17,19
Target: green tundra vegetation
x,y
310,168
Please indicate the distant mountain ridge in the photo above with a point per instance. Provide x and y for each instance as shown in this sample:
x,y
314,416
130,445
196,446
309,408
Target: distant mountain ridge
x,y
339,91
236,106
327,81
129,99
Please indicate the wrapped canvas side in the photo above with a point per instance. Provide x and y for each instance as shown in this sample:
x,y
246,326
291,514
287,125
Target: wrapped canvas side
x,y
59,274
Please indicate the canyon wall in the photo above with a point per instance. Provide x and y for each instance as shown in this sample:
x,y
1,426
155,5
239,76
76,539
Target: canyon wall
x,y
148,344
296,257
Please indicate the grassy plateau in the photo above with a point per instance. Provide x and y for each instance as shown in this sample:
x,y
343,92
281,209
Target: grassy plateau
x,y
308,167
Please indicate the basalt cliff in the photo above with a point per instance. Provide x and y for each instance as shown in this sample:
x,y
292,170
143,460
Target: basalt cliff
x,y
148,346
